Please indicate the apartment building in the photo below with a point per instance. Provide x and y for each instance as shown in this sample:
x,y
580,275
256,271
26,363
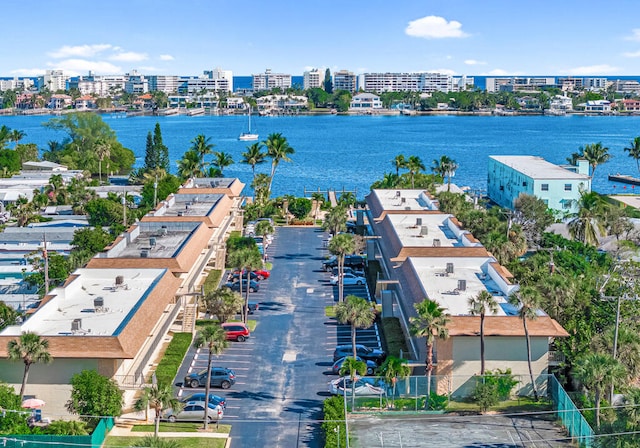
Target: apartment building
x,y
345,80
269,80
20,84
164,83
312,79
413,82
514,83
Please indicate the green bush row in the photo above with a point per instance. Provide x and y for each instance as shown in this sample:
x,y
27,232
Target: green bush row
x,y
333,426
394,337
173,356
213,278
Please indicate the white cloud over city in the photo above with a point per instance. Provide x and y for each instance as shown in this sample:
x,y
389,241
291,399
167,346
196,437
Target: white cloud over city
x,y
474,62
591,70
83,51
129,56
435,27
166,57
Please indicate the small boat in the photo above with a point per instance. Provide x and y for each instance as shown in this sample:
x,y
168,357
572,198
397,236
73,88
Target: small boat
x,y
248,136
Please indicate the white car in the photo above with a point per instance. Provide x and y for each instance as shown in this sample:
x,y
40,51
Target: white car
x,y
364,386
349,279
194,411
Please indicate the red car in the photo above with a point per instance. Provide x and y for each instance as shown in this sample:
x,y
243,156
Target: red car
x,y
236,331
262,274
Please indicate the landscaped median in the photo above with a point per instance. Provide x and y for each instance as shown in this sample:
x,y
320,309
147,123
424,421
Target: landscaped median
x,y
182,434
172,358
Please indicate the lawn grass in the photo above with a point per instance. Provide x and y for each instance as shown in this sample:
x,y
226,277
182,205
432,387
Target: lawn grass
x,y
172,358
182,427
182,442
524,404
212,281
393,336
330,311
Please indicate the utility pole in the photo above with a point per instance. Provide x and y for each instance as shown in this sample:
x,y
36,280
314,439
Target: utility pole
x,y
45,256
155,192
124,209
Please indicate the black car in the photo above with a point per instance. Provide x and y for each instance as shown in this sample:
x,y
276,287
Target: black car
x,y
366,353
220,377
216,400
235,286
352,261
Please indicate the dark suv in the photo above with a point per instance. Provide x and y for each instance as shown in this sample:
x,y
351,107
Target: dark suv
x,y
220,377
355,262
366,353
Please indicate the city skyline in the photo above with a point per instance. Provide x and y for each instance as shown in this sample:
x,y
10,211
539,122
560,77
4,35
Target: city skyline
x,y
492,38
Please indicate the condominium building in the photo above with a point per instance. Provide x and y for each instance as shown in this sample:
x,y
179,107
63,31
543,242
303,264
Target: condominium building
x,y
135,83
164,83
20,84
513,83
412,82
53,80
269,80
557,186
312,79
344,80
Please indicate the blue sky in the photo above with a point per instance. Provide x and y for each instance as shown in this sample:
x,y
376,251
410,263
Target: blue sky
x,y
490,37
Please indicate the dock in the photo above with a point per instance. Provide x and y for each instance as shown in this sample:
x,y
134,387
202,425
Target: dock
x,y
624,179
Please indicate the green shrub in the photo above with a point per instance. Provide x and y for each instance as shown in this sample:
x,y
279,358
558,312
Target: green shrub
x,y
438,402
173,356
504,381
213,278
394,337
485,395
333,424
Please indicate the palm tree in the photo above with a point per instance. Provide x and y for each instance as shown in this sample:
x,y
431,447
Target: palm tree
x,y
391,369
202,146
335,221
353,367
189,165
254,156
264,228
634,151
16,135
445,168
340,246
158,397
221,160
245,259
102,149
399,162
214,338
29,349
430,323
358,313
279,150
260,187
478,306
528,300
558,293
414,165
588,222
595,371
627,348
596,154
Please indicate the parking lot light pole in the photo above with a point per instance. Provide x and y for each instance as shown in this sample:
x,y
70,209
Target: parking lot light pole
x,y
346,423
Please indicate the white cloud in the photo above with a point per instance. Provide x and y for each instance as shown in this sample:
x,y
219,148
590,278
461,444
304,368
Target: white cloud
x,y
75,67
501,72
434,27
129,56
635,54
635,35
444,71
166,57
150,69
474,62
601,69
83,51
28,72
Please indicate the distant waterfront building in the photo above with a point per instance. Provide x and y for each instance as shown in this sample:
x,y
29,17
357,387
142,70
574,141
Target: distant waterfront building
x,y
164,83
413,82
344,80
135,83
514,83
560,104
365,102
53,80
596,106
312,79
630,105
269,80
558,187
627,86
20,84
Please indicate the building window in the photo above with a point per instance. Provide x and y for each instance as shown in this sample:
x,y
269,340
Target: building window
x,y
567,187
544,187
566,203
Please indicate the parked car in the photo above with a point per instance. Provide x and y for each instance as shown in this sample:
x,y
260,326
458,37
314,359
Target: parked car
x,y
348,270
363,386
364,352
235,276
236,331
215,400
220,377
348,279
262,274
352,261
235,286
195,411
253,307
371,365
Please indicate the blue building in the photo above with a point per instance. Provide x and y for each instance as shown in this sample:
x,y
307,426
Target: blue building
x,y
559,187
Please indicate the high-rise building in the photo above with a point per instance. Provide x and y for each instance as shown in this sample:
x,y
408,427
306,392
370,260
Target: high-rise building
x,y
312,79
269,80
413,82
344,80
164,83
53,80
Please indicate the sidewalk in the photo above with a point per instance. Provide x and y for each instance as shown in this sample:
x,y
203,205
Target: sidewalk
x,y
125,423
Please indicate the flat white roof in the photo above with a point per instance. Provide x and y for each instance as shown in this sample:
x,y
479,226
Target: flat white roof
x,y
397,199
537,168
76,301
422,235
444,288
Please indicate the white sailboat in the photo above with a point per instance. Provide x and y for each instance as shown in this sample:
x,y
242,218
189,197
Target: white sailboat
x,y
248,136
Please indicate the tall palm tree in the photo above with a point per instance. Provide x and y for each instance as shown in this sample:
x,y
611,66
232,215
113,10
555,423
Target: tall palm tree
x,y
103,150
189,165
214,338
414,165
393,368
399,162
559,294
246,260
221,160
627,348
595,371
588,222
254,156
202,146
260,187
634,150
528,301
430,323
356,312
340,246
353,367
478,306
278,150
445,167
159,397
29,349
596,154
16,135
335,221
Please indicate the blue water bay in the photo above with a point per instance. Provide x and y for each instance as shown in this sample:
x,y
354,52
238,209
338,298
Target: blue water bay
x,y
351,152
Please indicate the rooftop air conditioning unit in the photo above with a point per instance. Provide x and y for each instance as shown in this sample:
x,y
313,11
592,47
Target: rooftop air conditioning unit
x,y
449,269
164,230
403,200
195,200
398,194
436,242
98,302
462,285
119,279
180,213
152,241
144,254
76,325
424,230
418,221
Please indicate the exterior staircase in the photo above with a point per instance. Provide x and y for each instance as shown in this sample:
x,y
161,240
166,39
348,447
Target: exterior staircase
x,y
189,317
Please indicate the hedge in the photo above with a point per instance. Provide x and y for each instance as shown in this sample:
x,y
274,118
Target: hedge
x,y
173,356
